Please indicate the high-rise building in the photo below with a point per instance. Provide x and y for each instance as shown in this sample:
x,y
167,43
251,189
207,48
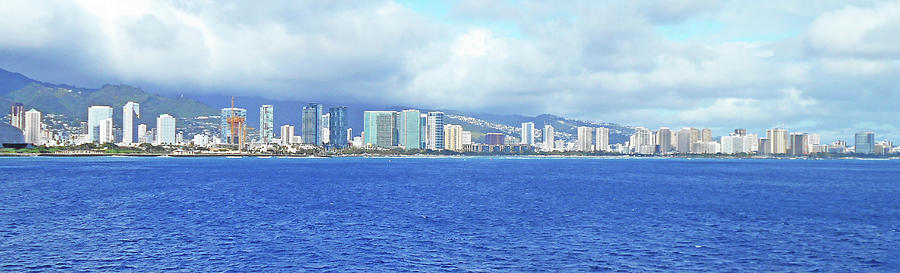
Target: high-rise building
x,y
17,116
453,137
338,127
466,137
706,135
494,139
225,128
106,131
287,135
32,126
664,140
423,130
379,128
865,142
326,129
266,123
165,129
435,128
549,138
642,141
528,133
779,139
584,140
96,114
410,129
129,112
311,127
684,137
740,132
142,133
695,135
601,139
799,144
765,146
815,139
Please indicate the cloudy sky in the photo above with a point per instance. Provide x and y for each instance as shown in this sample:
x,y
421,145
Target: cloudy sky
x,y
818,66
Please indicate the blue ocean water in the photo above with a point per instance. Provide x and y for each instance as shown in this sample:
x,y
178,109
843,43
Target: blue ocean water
x,y
448,214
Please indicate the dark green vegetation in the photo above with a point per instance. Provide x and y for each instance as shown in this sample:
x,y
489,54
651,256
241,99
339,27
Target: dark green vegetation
x,y
73,101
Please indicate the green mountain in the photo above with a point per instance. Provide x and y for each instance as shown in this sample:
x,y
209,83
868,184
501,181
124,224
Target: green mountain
x,y
73,101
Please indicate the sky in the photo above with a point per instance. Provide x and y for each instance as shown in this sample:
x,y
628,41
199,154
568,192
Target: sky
x,y
826,67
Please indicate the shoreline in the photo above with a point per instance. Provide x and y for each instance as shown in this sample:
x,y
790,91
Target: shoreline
x,y
232,155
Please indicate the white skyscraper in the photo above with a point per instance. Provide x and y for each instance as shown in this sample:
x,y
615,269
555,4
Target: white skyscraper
x,y
435,130
33,127
129,111
165,129
326,129
779,139
685,137
96,114
642,141
287,135
266,123
142,133
453,137
528,133
466,137
549,140
664,140
106,131
601,139
583,143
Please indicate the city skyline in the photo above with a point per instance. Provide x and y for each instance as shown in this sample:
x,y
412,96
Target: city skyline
x,y
653,64
412,129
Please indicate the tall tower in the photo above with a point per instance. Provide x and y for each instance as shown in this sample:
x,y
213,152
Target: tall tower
x,y
338,127
32,127
129,112
706,135
528,133
234,125
583,143
779,139
266,123
96,115
380,129
601,136
165,129
549,139
864,142
311,125
410,127
17,115
435,130
664,140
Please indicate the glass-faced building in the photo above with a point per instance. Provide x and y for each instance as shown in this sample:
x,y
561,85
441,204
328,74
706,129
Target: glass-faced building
x,y
96,114
311,124
865,142
266,123
410,129
165,129
225,128
380,129
338,126
435,128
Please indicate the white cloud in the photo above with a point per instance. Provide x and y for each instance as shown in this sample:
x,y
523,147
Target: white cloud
x,y
590,60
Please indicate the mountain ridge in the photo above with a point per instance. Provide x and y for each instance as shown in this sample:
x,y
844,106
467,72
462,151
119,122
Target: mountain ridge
x,y
74,101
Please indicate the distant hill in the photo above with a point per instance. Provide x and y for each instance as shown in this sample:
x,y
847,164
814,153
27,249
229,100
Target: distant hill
x,y
74,101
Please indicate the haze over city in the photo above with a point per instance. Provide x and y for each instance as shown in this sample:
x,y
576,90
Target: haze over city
x,y
828,68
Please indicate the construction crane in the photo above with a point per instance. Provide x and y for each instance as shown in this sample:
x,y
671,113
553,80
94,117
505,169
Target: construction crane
x,y
237,126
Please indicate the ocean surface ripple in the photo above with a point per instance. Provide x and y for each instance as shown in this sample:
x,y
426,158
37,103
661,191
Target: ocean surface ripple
x,y
448,214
